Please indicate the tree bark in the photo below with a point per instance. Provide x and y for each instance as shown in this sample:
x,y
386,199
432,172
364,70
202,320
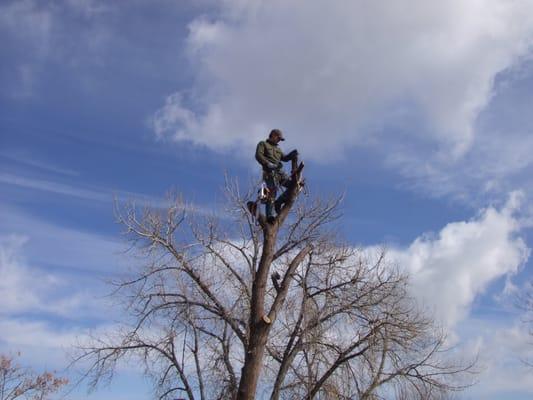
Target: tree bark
x,y
258,334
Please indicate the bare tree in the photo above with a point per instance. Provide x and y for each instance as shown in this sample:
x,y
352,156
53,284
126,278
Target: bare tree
x,y
17,382
245,308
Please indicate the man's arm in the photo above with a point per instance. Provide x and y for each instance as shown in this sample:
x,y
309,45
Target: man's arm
x,y
289,157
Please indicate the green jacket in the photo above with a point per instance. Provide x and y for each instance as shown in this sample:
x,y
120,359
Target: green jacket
x,y
269,155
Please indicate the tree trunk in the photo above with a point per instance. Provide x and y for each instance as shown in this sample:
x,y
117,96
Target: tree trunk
x,y
252,364
258,327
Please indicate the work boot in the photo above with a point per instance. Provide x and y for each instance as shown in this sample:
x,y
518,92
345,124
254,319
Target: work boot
x,y
252,207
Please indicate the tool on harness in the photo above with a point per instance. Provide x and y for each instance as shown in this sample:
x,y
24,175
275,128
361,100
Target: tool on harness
x,y
263,196
263,193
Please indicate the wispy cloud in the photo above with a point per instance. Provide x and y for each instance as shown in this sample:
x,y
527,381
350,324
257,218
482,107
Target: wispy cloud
x,y
30,26
41,32
30,160
55,187
48,244
101,195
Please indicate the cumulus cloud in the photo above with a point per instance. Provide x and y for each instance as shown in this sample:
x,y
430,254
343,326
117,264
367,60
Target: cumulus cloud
x,y
451,268
334,70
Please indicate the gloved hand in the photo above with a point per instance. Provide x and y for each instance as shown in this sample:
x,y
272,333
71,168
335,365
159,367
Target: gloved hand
x,y
280,165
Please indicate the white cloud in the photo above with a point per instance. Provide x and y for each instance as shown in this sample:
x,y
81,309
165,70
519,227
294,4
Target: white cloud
x,y
327,73
451,269
20,287
89,8
500,346
38,32
27,290
499,160
28,21
61,247
505,370
450,272
45,313
44,346
19,334
31,27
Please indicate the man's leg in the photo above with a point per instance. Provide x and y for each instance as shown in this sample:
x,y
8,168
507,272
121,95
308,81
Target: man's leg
x,y
270,181
282,199
269,210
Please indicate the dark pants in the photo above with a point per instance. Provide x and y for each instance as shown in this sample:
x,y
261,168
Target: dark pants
x,y
275,180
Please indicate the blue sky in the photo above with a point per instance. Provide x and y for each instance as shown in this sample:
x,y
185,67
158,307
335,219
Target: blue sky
x,y
420,113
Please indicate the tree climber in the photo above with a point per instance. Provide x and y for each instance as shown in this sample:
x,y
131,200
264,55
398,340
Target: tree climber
x,y
270,156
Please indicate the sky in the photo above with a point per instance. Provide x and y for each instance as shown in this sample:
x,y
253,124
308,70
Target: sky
x,y
418,112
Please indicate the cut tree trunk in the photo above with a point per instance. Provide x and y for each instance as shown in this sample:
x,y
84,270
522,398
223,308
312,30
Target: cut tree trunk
x,y
259,327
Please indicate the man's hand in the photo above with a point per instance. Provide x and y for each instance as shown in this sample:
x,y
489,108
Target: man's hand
x,y
273,166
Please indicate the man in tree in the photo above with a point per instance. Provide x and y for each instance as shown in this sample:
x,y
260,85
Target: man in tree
x,y
270,156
